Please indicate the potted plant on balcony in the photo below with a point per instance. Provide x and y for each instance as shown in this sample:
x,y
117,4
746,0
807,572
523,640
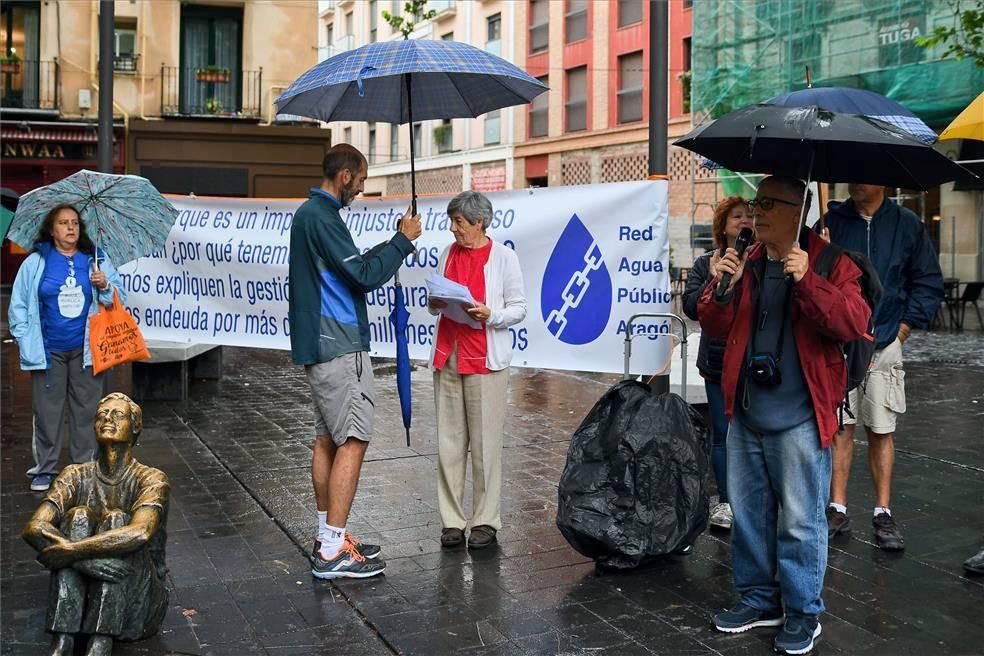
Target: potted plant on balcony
x,y
442,137
685,82
10,63
212,73
213,105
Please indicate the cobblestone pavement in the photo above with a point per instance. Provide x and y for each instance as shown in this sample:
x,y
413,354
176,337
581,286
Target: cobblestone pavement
x,y
238,454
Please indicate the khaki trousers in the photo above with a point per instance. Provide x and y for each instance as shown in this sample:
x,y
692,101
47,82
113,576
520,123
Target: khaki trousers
x,y
471,412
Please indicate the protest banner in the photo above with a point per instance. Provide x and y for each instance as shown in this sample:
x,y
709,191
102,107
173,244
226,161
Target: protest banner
x,y
591,256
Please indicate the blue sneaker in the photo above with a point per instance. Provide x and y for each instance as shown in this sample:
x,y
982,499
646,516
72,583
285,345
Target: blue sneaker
x,y
41,482
797,635
742,618
348,563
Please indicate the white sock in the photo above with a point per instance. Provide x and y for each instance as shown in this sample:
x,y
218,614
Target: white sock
x,y
879,510
332,541
838,507
322,530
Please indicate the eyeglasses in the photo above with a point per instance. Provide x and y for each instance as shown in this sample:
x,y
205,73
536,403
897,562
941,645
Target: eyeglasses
x,y
767,202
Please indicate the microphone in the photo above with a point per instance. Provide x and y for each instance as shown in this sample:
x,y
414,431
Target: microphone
x,y
741,243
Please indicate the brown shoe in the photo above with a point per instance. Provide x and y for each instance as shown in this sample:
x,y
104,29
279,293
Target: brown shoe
x,y
452,537
481,537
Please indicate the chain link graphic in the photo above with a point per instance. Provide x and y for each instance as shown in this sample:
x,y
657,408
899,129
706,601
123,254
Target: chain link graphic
x,y
575,289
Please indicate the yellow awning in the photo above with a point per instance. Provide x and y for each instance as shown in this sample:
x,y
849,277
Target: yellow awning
x,y
969,124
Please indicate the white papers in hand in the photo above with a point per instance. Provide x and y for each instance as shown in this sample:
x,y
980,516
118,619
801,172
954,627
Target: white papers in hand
x,y
457,297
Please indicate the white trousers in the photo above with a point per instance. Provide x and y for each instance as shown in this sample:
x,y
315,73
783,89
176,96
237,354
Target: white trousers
x,y
471,413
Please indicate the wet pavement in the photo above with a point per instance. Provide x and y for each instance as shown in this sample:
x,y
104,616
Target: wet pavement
x,y
242,520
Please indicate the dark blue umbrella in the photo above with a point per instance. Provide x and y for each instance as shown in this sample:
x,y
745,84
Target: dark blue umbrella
x,y
399,82
399,318
858,101
845,100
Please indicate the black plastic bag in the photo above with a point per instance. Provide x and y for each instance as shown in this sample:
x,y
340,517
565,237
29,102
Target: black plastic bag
x,y
635,483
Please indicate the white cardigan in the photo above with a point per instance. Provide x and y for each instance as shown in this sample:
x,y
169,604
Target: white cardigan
x,y
505,297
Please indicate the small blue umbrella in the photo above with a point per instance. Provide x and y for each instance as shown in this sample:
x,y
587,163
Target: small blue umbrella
x,y
399,318
124,215
400,82
845,100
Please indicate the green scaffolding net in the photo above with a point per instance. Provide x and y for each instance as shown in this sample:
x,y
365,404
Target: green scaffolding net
x,y
747,51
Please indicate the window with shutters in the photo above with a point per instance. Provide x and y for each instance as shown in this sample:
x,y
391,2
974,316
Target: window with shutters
x,y
577,99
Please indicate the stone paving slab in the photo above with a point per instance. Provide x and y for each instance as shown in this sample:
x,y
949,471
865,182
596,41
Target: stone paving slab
x,y
242,446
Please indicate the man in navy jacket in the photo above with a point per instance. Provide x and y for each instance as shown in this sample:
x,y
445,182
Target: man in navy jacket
x,y
895,241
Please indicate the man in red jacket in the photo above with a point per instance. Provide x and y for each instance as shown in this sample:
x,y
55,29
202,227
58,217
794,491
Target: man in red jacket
x,y
783,378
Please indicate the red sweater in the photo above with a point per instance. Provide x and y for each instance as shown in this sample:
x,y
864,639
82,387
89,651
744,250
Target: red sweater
x,y
467,267
826,313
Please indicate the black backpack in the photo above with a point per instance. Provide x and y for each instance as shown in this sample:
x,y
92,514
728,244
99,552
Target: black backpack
x,y
857,352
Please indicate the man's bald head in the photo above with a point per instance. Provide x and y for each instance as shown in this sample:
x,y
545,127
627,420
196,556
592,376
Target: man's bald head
x,y
785,187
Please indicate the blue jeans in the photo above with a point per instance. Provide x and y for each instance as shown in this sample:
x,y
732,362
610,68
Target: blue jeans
x,y
719,436
780,484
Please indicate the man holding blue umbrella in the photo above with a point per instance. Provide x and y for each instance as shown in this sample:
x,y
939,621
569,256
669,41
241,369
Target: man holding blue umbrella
x,y
329,335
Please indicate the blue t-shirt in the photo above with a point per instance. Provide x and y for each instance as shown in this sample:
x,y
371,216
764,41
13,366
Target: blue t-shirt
x,y
65,296
775,409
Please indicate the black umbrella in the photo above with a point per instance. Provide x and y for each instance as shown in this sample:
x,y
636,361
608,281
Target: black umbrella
x,y
815,144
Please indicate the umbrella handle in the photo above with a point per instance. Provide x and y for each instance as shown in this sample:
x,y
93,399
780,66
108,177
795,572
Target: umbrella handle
x,y
807,196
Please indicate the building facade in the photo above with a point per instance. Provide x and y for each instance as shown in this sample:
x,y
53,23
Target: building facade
x,y
194,84
751,50
591,127
451,155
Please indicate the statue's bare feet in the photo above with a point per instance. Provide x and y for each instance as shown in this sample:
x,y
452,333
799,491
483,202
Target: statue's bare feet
x,y
63,644
100,645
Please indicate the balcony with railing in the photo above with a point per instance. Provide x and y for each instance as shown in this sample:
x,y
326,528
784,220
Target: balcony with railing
x,y
28,84
326,52
126,63
211,91
442,6
344,43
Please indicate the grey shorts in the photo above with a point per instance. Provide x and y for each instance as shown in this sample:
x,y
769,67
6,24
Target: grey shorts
x,y
344,395
881,398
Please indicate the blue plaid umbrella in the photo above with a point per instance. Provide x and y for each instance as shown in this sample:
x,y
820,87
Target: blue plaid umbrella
x,y
403,81
124,215
400,82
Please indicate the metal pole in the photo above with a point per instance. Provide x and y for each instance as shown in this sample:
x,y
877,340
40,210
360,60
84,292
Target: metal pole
x,y
659,30
107,18
413,172
953,246
658,84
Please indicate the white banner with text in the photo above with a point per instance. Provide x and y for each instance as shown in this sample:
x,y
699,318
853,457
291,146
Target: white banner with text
x,y
591,256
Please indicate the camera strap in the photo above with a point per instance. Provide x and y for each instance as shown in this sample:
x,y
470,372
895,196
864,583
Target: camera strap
x,y
761,317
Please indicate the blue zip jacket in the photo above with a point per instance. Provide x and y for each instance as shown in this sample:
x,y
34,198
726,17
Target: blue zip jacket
x,y
900,249
24,313
329,279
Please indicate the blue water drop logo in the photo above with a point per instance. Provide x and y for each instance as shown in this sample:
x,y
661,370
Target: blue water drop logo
x,y
576,295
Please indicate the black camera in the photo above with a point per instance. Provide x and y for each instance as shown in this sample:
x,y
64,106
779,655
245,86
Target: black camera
x,y
763,368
